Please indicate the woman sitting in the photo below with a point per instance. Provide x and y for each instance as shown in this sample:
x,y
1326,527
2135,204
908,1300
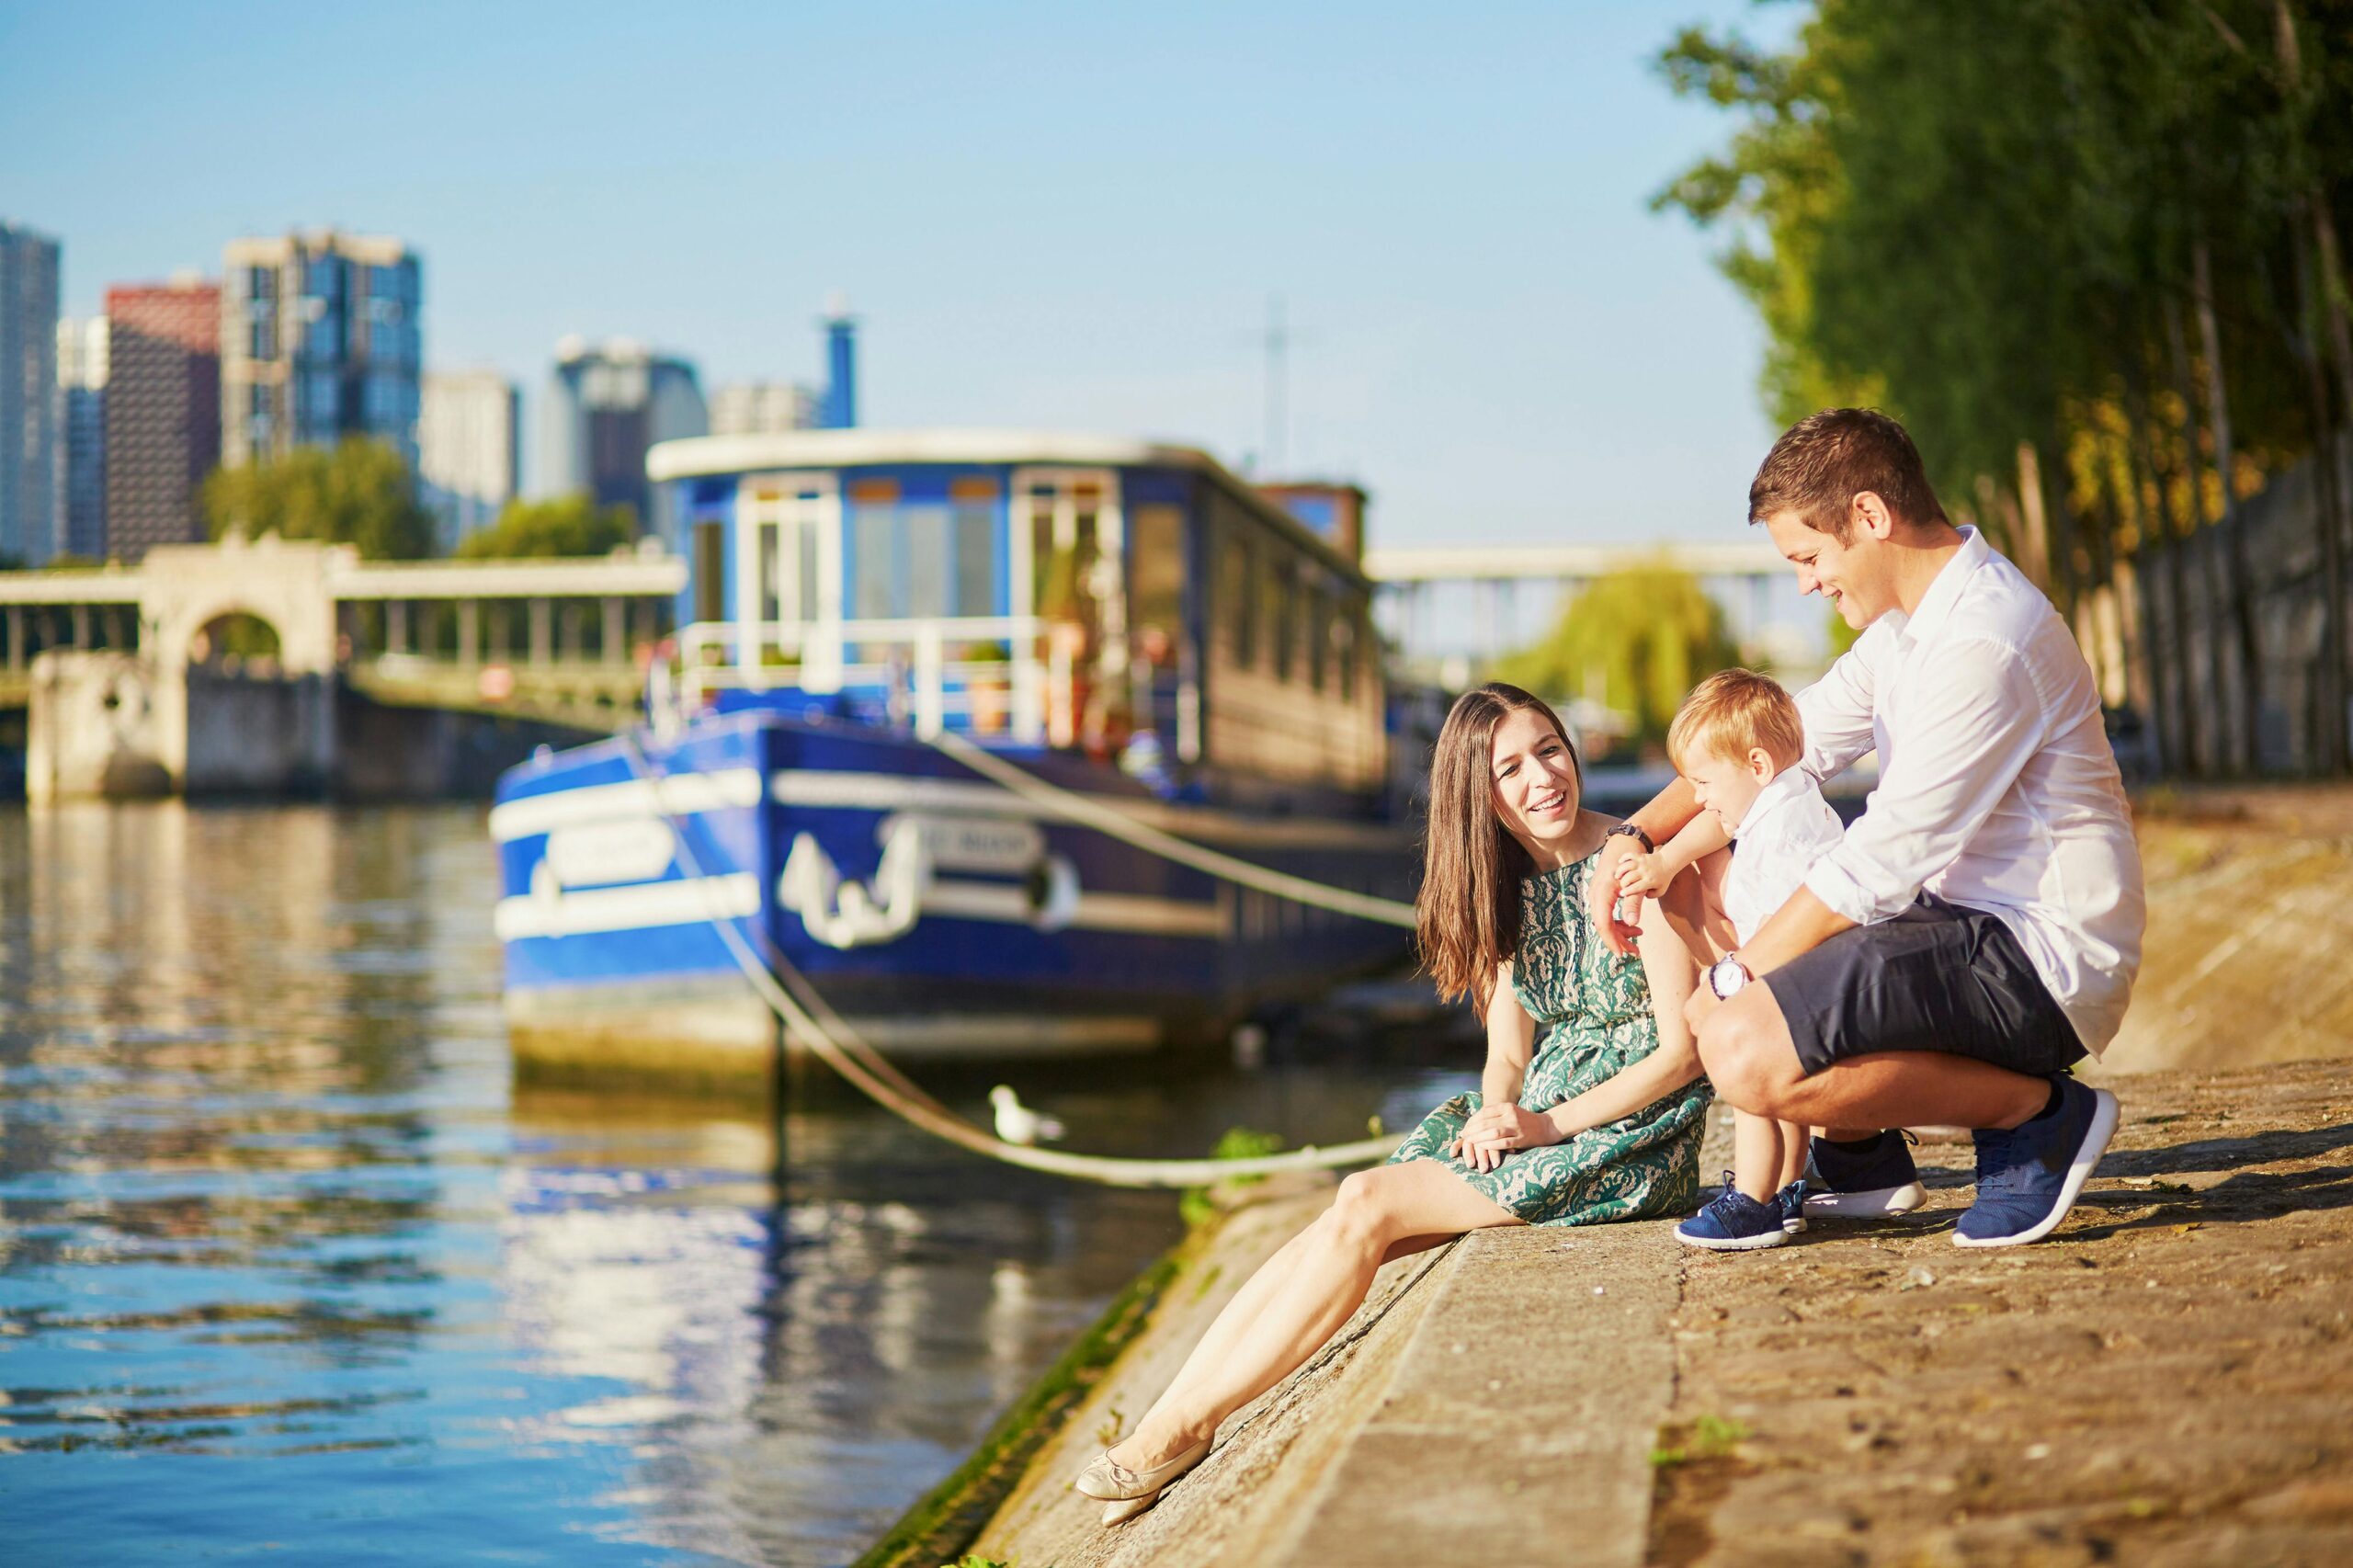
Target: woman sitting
x,y
1601,1121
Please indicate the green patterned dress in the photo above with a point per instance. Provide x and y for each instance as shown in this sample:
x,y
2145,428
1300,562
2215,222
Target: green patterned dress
x,y
1595,1009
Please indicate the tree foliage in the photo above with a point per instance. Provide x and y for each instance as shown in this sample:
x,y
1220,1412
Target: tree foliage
x,y
358,493
2073,244
1636,639
566,526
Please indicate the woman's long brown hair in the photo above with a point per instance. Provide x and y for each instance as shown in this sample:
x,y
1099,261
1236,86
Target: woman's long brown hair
x,y
1467,916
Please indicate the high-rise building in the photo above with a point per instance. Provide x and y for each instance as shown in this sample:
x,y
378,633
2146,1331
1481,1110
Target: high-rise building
x,y
28,395
320,340
467,448
163,411
82,433
762,408
606,403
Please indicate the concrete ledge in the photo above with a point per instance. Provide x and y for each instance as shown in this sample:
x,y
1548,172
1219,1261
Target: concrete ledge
x,y
1490,1396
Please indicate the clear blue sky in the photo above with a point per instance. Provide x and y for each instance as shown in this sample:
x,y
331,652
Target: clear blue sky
x,y
1047,215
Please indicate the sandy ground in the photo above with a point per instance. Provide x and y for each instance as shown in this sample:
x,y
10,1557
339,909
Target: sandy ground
x,y
2168,1380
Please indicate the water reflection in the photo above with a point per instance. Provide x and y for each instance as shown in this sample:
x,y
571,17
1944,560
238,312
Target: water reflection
x,y
288,1262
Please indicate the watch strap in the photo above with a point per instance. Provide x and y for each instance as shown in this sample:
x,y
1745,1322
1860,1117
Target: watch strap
x,y
1635,833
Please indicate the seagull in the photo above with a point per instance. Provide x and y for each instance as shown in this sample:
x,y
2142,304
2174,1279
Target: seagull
x,y
1017,1123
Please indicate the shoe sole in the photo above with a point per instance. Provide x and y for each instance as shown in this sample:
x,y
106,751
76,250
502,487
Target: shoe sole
x,y
1771,1238
1875,1205
2079,1171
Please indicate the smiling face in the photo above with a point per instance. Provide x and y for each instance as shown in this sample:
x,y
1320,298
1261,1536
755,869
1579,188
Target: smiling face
x,y
1856,574
1727,786
1534,783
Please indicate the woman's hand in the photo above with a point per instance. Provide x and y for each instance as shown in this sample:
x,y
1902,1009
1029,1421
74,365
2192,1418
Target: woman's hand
x,y
1601,895
1497,1131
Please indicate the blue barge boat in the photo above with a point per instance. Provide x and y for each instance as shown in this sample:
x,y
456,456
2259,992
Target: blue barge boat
x,y
1124,622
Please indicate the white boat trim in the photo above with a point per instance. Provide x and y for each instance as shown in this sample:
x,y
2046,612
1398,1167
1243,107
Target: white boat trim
x,y
687,794
637,907
680,794
689,901
900,793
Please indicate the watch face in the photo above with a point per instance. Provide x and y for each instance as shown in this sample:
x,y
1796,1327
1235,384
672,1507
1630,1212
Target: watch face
x,y
1724,977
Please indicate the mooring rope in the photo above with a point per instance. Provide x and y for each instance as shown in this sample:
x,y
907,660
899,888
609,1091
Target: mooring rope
x,y
1109,819
840,1047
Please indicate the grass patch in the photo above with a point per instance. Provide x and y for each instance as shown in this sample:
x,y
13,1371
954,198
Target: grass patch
x,y
1710,1437
1691,1467
1235,1143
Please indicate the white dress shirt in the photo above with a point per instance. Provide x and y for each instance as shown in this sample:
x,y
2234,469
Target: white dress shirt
x,y
1785,830
1996,787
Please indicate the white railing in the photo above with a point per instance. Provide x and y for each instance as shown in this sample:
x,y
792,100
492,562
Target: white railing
x,y
916,675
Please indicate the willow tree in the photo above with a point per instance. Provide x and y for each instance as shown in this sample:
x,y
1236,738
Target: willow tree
x,y
1636,640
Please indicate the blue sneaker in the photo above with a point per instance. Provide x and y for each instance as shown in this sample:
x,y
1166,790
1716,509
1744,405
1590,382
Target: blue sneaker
x,y
2029,1177
1868,1183
1733,1221
1790,1204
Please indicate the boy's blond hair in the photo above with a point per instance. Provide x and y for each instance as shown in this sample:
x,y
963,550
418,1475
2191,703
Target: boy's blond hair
x,y
1730,713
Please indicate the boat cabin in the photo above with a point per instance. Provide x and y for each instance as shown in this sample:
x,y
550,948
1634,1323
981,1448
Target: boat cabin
x,y
1132,602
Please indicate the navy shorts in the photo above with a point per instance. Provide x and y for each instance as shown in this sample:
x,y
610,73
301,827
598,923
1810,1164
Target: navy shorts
x,y
1937,977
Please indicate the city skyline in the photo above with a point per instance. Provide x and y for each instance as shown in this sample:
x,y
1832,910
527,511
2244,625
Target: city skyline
x,y
1046,218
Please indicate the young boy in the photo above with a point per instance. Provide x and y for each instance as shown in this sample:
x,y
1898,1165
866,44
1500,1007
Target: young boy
x,y
1736,741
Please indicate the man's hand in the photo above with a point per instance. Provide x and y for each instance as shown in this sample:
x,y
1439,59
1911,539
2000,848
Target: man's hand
x,y
1701,1005
1601,894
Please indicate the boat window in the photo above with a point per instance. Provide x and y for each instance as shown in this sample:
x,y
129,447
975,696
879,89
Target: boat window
x,y
1237,592
1345,637
1317,619
925,553
1156,578
975,505
873,567
771,594
1282,628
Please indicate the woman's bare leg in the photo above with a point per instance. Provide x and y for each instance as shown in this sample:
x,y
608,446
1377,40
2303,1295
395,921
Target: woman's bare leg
x,y
1234,1319
1387,1210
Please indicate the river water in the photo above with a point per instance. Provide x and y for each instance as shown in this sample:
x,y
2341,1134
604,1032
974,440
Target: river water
x,y
292,1270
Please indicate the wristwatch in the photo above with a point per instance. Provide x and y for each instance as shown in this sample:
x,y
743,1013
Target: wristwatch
x,y
1726,976
1638,836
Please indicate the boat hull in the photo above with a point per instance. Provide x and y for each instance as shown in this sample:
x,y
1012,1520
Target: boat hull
x,y
945,916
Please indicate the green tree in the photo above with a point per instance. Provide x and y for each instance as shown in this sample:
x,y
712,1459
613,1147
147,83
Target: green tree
x,y
566,526
2086,249
358,493
1638,639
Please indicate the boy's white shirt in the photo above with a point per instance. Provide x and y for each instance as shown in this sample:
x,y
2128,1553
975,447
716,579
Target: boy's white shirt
x,y
1784,831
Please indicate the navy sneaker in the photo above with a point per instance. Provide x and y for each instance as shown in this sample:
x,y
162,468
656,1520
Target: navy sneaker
x,y
1865,1183
1734,1223
1790,1204
2029,1177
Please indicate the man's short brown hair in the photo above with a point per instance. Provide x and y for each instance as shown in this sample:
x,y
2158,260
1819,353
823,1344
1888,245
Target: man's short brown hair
x,y
1732,712
1824,460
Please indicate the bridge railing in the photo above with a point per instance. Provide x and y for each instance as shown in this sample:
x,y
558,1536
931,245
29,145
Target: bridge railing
x,y
1027,689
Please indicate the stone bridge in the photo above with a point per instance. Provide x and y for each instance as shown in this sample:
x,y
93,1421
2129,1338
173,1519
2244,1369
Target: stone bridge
x,y
133,687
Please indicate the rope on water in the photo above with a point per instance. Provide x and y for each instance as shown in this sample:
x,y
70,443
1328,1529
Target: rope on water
x,y
811,1020
1109,819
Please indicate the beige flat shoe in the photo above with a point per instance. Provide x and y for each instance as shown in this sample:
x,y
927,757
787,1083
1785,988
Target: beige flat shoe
x,y
1111,1481
1127,1508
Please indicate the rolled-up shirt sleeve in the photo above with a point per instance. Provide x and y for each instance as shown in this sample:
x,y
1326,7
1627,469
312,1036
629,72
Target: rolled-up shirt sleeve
x,y
1835,712
1971,725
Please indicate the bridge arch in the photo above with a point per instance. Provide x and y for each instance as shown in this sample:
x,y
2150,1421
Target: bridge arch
x,y
280,584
